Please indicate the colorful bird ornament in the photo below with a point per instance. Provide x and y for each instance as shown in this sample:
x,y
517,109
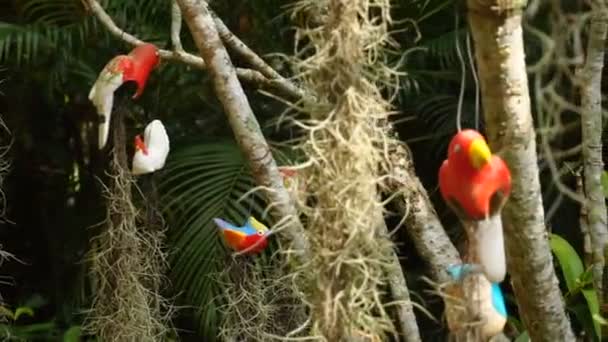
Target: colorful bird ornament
x,y
287,175
136,66
476,184
151,152
252,238
475,298
472,179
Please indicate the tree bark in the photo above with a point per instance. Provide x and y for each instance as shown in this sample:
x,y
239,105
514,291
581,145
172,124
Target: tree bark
x,y
242,120
252,76
404,310
499,51
421,221
591,125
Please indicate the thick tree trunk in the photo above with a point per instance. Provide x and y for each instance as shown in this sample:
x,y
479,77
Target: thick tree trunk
x,y
591,124
499,51
242,120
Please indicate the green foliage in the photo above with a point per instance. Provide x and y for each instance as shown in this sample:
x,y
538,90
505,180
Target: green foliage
x,y
16,330
578,282
72,334
432,73
202,181
524,337
62,39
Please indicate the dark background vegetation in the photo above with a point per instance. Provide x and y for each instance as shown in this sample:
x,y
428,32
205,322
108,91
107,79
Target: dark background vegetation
x,y
50,54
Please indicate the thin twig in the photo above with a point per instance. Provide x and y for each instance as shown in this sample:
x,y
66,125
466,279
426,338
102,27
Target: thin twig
x,y
252,76
176,27
233,42
404,310
422,223
583,221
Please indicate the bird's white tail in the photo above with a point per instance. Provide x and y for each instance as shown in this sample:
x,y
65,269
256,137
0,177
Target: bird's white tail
x,y
491,249
104,132
102,96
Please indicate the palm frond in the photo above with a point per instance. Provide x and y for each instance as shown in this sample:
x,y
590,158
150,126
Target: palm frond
x,y
55,12
202,181
443,48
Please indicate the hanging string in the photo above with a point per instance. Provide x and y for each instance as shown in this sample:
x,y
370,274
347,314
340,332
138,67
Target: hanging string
x,y
474,71
462,73
250,208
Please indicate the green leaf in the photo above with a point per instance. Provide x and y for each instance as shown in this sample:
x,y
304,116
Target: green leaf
x,y
576,279
202,181
23,310
524,337
4,311
569,261
516,323
594,308
72,334
601,320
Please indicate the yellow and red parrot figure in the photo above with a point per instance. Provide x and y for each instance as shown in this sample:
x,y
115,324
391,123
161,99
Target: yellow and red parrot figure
x,y
476,184
287,174
252,238
136,67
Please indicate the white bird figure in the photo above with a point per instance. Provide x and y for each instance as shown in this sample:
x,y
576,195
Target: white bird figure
x,y
135,67
490,247
151,153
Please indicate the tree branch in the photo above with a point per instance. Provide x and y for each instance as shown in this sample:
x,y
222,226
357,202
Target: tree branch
x,y
591,126
249,75
233,42
404,310
421,221
176,27
242,120
499,52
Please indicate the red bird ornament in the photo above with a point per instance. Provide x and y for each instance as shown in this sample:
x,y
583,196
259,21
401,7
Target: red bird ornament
x,y
476,184
136,67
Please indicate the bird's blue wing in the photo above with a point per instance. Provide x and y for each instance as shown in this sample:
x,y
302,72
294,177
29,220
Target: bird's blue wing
x,y
458,272
498,301
248,228
224,225
455,271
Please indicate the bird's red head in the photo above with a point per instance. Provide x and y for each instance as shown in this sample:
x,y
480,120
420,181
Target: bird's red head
x,y
139,145
145,58
472,178
469,150
287,173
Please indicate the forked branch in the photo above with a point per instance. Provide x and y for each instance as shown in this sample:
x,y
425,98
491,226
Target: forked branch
x,y
251,76
242,120
591,125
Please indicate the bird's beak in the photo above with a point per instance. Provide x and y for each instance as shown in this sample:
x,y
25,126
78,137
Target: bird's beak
x,y
139,91
139,145
257,225
479,153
